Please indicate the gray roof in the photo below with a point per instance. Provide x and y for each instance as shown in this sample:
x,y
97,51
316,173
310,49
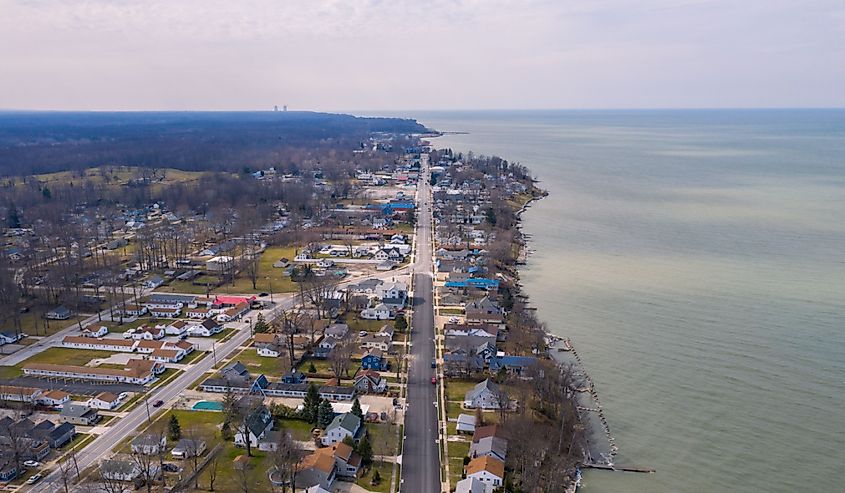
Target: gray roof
x,y
486,385
76,410
347,421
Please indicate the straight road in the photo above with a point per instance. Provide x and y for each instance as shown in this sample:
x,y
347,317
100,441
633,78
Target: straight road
x,y
420,455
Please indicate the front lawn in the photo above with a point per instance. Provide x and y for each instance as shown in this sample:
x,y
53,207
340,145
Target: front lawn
x,y
260,364
383,438
385,471
456,389
299,429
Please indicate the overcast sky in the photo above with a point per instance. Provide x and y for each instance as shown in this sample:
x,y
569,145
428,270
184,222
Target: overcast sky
x,y
436,54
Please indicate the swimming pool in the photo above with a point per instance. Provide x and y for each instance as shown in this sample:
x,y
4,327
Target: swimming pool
x,y
208,406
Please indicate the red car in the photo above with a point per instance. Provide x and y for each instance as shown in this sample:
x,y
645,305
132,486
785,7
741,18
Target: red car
x,y
434,379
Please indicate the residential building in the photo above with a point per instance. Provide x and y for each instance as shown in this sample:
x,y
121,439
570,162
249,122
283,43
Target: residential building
x,y
342,426
79,415
487,470
149,443
486,395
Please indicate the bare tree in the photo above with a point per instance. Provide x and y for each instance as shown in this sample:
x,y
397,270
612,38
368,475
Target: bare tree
x,y
285,458
212,471
147,468
340,358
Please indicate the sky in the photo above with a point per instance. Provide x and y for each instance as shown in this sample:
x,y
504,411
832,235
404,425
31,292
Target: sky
x,y
333,55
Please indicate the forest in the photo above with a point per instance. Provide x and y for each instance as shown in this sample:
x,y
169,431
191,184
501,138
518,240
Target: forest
x,y
46,142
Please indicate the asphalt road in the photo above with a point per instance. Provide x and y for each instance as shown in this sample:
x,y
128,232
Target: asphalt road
x,y
420,456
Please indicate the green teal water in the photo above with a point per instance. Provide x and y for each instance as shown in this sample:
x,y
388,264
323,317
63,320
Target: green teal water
x,y
697,261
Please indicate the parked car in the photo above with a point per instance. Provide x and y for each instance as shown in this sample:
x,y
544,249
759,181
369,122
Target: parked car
x,y
34,479
434,379
32,463
170,467
261,295
434,363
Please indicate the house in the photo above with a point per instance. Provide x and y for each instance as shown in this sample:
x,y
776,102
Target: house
x,y
386,330
198,313
393,290
54,398
114,345
337,331
370,341
487,470
14,393
373,360
153,282
486,395
473,485
135,371
387,265
258,424
234,313
176,328
124,470
61,435
513,365
95,330
219,264
188,447
466,423
58,313
346,460
342,426
484,311
488,441
207,328
8,468
104,400
315,470
378,312
79,415
370,382
147,333
134,310
165,312
294,377
149,443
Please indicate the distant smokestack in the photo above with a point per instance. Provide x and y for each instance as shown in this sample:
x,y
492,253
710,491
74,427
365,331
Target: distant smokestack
x,y
285,108
275,108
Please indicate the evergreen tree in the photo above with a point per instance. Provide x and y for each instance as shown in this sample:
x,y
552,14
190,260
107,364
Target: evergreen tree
x,y
349,441
376,478
311,404
46,193
356,408
13,220
325,415
175,429
261,325
226,431
401,324
365,450
312,368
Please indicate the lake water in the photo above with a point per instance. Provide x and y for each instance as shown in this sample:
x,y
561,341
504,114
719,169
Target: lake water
x,y
697,261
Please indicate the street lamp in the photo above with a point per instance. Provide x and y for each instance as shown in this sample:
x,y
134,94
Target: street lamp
x,y
270,283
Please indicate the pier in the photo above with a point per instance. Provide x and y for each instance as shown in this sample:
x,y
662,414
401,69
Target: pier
x,y
611,467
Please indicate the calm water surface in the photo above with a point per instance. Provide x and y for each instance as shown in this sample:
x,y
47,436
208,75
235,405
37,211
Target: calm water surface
x,y
697,261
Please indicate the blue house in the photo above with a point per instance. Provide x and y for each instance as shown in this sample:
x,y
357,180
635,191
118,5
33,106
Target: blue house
x,y
476,282
374,360
512,364
293,377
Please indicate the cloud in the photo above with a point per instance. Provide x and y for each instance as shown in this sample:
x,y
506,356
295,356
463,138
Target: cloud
x,y
408,54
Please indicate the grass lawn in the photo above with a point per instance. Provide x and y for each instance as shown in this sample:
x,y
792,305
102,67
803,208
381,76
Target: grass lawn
x,y
456,470
383,438
451,311
168,375
259,364
115,327
223,334
182,287
322,366
457,389
357,324
457,449
55,356
453,409
30,320
204,424
277,282
195,356
299,429
385,470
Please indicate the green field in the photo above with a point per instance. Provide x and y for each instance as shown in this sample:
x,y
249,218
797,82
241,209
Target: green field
x,y
456,389
30,320
383,438
260,364
269,278
385,470
55,356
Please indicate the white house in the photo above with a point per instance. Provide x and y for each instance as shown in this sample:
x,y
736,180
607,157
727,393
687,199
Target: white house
x,y
104,400
176,328
487,470
473,485
378,312
485,395
95,331
165,312
466,423
258,424
149,443
342,426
